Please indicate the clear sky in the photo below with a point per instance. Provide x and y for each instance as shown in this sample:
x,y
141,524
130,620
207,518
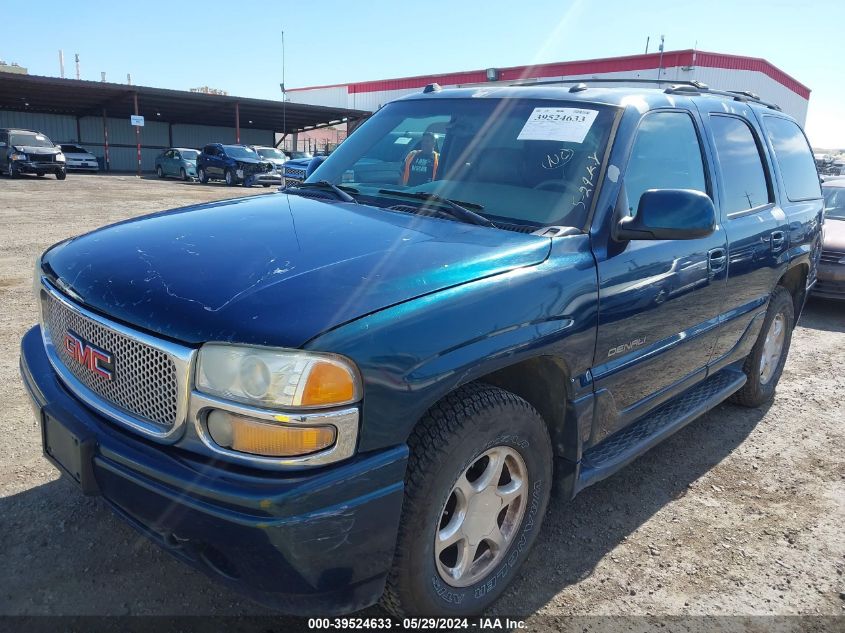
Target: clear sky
x,y
236,46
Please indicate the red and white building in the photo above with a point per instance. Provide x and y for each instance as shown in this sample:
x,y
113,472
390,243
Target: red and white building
x,y
717,70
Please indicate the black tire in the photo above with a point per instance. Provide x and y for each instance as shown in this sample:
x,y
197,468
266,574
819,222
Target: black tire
x,y
40,174
182,174
61,174
203,177
230,178
756,390
159,171
13,171
449,439
265,185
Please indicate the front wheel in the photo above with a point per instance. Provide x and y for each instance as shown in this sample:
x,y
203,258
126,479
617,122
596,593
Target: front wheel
x,y
183,175
159,172
61,174
13,171
230,178
764,364
476,489
203,177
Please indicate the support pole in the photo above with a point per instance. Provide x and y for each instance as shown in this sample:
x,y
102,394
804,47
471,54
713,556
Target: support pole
x,y
106,160
137,134
78,131
237,122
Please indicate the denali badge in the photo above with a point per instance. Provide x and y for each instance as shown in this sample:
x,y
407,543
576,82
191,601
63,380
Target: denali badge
x,y
627,347
97,361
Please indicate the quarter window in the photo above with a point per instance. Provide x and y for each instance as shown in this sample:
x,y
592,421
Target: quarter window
x,y
666,155
795,159
743,175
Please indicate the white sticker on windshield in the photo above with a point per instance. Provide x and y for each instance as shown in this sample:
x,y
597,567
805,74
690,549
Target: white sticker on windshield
x,y
558,124
40,137
402,140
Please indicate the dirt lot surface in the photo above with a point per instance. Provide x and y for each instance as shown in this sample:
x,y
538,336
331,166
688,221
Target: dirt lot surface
x,y
742,512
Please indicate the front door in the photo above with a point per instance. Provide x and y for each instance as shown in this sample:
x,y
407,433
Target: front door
x,y
659,300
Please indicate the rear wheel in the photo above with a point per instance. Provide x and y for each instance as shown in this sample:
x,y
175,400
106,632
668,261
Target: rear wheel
x,y
764,364
476,489
203,177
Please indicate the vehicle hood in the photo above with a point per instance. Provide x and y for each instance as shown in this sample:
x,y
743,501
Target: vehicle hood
x,y
80,155
833,235
299,163
276,269
31,149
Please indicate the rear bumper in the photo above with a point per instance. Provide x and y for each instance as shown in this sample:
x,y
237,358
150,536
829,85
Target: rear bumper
x,y
316,542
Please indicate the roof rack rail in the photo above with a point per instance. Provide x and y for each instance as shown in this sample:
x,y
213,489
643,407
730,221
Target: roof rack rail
x,y
676,86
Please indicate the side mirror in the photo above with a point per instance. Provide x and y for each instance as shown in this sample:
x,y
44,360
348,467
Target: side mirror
x,y
669,214
315,162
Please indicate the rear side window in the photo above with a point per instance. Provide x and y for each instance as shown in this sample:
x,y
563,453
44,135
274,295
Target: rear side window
x,y
742,169
795,159
666,155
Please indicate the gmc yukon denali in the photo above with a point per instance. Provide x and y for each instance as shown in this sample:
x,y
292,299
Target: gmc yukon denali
x,y
364,387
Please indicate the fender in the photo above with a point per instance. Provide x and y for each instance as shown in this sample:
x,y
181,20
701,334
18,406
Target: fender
x,y
411,355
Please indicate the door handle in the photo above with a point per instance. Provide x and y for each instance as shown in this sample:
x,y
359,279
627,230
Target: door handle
x,y
778,239
717,259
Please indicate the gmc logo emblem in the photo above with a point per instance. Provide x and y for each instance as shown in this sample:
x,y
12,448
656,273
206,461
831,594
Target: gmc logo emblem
x,y
97,361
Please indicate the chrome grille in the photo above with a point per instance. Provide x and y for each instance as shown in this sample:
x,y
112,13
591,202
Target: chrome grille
x,y
294,174
145,381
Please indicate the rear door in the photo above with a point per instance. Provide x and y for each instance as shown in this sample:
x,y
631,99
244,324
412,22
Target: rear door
x,y
755,224
659,300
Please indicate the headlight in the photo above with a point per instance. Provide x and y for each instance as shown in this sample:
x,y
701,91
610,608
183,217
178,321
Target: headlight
x,y
17,156
60,157
276,378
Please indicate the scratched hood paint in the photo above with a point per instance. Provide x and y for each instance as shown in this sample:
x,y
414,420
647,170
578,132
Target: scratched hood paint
x,y
275,269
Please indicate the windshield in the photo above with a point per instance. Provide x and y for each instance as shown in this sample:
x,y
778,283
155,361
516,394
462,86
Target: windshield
x,y
834,202
239,151
301,155
189,154
269,152
532,162
73,149
30,139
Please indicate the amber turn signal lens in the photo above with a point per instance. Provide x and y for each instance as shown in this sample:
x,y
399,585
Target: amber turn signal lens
x,y
257,437
327,384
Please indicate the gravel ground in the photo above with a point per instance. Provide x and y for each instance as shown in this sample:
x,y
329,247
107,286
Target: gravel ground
x,y
741,513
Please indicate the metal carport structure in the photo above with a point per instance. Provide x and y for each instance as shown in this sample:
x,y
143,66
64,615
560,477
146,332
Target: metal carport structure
x,y
100,113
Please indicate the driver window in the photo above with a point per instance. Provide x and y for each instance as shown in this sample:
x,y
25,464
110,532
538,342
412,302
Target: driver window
x,y
666,155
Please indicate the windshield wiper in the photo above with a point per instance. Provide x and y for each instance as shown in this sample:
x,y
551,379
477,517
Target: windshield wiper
x,y
455,210
341,193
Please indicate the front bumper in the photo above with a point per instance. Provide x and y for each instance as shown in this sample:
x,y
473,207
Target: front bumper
x,y
88,165
37,167
263,178
315,542
830,281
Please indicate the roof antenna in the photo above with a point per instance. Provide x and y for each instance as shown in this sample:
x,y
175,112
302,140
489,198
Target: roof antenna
x,y
660,62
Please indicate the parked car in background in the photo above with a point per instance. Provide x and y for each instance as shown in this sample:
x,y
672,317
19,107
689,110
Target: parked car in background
x,y
79,158
30,152
235,164
178,162
362,390
831,275
299,155
274,155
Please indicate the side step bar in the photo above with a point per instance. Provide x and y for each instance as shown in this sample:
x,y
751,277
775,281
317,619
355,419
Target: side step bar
x,y
623,447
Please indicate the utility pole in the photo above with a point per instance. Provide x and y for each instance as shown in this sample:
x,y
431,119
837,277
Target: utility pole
x,y
284,94
62,63
77,67
660,63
